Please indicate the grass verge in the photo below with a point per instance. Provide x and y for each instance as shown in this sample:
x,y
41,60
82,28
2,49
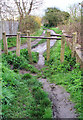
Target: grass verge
x,y
22,95
67,74
57,30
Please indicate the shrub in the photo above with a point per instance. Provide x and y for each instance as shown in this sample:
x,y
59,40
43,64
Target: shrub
x,y
26,76
29,23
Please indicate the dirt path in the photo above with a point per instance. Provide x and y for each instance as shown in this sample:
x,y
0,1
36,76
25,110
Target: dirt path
x,y
41,48
61,106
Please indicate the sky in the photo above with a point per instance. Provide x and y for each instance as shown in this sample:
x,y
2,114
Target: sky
x,y
61,4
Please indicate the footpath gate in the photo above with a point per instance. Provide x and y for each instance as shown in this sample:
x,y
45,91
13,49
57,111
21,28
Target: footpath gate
x,y
49,37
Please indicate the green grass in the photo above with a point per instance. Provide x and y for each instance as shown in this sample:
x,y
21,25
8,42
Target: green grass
x,y
12,42
37,33
67,74
22,95
57,30
22,61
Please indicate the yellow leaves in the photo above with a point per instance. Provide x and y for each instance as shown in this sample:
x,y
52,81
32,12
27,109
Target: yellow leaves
x,y
38,20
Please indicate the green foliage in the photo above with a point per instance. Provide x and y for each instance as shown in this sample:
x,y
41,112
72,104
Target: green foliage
x,y
9,84
22,95
29,23
38,32
54,16
67,74
57,30
22,61
26,76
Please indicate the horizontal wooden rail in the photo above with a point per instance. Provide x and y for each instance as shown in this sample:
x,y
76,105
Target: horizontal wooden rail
x,y
62,35
37,37
40,37
15,35
10,35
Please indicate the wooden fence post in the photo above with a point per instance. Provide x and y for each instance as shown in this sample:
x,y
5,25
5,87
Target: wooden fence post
x,y
48,46
62,49
29,46
74,43
5,43
18,44
81,34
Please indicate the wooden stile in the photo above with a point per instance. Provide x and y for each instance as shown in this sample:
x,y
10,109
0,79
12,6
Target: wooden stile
x,y
62,49
5,43
48,46
74,43
18,44
29,46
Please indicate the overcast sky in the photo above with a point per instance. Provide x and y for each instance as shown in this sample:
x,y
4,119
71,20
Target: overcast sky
x,y
61,4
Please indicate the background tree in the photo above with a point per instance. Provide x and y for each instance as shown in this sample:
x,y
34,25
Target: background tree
x,y
31,23
73,24
53,16
20,9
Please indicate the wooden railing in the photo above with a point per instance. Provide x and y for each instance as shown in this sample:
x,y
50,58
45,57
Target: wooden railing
x,y
77,50
27,35
49,37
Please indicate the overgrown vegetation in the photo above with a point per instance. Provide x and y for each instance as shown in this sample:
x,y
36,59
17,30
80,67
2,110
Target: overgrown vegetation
x,y
21,62
29,22
74,23
54,16
22,95
67,74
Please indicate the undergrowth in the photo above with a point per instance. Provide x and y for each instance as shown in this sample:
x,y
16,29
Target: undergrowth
x,y
67,74
22,95
22,61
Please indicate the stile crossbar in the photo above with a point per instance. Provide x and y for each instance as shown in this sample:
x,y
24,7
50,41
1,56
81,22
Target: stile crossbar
x,y
41,36
62,35
49,37
37,37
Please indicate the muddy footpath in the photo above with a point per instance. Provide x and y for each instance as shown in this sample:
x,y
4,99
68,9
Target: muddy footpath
x,y
61,106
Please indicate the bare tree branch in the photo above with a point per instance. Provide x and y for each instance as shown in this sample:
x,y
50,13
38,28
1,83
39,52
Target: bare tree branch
x,y
10,8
